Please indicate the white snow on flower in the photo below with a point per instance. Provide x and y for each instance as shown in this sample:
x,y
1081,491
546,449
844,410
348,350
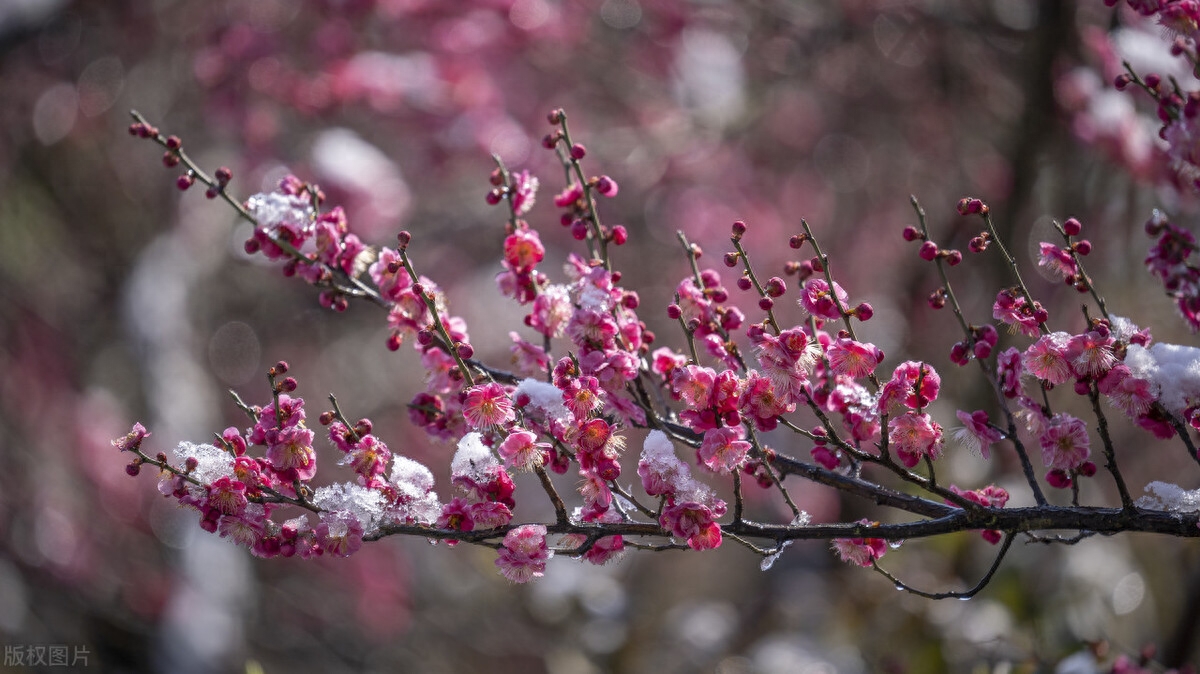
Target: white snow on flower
x,y
1169,497
658,448
1172,370
417,500
411,477
365,504
273,210
545,397
211,463
595,299
1122,328
659,455
473,459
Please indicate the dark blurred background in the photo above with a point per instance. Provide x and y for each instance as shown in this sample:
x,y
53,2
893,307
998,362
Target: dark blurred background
x,y
125,300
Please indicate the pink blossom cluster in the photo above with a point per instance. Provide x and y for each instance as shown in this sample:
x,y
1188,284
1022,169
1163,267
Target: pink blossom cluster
x,y
236,493
591,374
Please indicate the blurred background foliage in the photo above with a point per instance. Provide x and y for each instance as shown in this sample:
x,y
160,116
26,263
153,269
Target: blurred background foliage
x,y
126,300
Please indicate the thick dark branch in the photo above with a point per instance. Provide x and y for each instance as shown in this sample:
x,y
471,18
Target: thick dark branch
x,y
858,487
1007,520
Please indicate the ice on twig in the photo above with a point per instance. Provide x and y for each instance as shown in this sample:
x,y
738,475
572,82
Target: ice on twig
x,y
1169,497
770,560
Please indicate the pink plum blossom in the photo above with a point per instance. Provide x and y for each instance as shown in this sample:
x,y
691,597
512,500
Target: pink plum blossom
x,y
523,554
1065,443
915,436
851,358
723,449
487,406
1047,359
977,434
860,551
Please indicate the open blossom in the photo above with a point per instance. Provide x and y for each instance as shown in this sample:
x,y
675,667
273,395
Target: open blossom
x,y
694,384
369,458
527,358
290,453
695,521
1133,395
1065,443
851,358
1047,360
339,533
857,407
1056,261
860,551
915,436
723,449
246,528
1090,354
592,329
521,451
761,403
1012,309
486,406
787,359
551,311
582,396
227,496
523,250
390,283
523,554
902,388
990,496
133,439
816,299
977,434
456,515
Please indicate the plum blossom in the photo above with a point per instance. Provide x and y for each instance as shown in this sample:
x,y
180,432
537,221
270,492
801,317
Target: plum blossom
x,y
1132,395
661,470
1012,309
521,451
915,436
1057,261
1090,354
860,551
691,514
977,434
1065,443
524,189
902,388
761,403
851,358
1047,359
487,406
723,449
816,299
523,554
339,533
